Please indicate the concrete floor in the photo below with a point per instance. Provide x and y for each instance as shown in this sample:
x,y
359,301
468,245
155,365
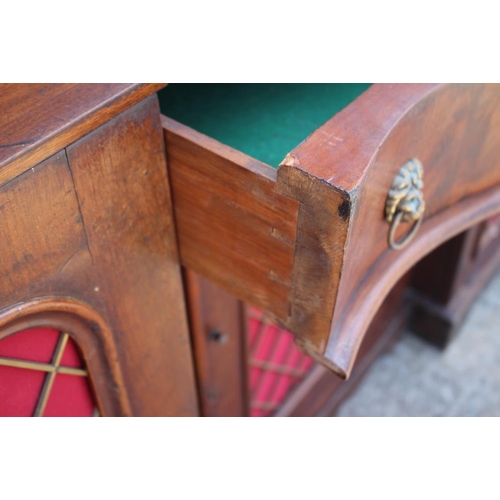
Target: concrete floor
x,y
416,379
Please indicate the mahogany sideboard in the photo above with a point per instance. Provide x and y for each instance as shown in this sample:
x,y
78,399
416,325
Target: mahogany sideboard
x,y
103,199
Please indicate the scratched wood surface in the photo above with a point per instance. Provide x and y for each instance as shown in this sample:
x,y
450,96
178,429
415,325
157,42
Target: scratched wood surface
x,y
38,120
43,238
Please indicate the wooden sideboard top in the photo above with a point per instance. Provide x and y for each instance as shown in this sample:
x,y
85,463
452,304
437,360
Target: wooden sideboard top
x,y
37,120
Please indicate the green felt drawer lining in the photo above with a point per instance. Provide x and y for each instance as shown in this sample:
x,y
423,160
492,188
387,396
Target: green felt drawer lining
x,y
265,121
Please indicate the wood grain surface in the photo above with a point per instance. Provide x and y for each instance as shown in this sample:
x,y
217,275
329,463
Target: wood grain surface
x,y
454,130
90,248
37,120
322,391
218,331
232,227
121,182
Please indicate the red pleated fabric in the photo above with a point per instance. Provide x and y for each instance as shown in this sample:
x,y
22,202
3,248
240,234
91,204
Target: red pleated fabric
x,y
276,365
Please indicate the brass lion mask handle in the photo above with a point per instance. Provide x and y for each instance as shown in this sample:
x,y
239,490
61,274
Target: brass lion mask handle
x,y
405,202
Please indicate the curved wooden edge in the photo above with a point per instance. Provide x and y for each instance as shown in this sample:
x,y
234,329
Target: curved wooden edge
x,y
336,246
343,267
347,334
324,174
92,335
340,151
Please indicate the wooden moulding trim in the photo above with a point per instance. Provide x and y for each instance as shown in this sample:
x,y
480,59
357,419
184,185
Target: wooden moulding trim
x,y
70,132
390,266
92,335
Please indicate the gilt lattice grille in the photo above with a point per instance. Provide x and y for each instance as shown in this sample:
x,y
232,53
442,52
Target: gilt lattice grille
x,y
43,374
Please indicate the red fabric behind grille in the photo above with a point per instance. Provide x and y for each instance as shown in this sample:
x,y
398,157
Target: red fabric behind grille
x,y
276,365
20,387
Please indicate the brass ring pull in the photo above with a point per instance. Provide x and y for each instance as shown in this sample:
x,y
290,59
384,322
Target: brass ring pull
x,y
409,236
405,202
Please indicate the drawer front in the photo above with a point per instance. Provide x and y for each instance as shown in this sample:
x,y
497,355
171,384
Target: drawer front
x,y
340,177
454,132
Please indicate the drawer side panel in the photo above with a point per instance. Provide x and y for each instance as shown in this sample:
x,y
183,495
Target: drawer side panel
x,y
233,228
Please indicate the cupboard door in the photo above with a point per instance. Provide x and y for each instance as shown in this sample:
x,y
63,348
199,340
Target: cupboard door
x,y
89,250
120,179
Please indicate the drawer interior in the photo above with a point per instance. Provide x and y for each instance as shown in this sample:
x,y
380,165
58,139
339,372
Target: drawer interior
x,y
237,222
265,121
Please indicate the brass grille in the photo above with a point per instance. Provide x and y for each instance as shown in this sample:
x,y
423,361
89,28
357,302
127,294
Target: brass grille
x,y
51,369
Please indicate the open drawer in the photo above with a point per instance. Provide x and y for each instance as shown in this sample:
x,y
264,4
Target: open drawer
x,y
316,242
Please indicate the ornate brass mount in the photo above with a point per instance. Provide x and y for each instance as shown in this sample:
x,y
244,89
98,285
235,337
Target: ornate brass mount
x,y
405,202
